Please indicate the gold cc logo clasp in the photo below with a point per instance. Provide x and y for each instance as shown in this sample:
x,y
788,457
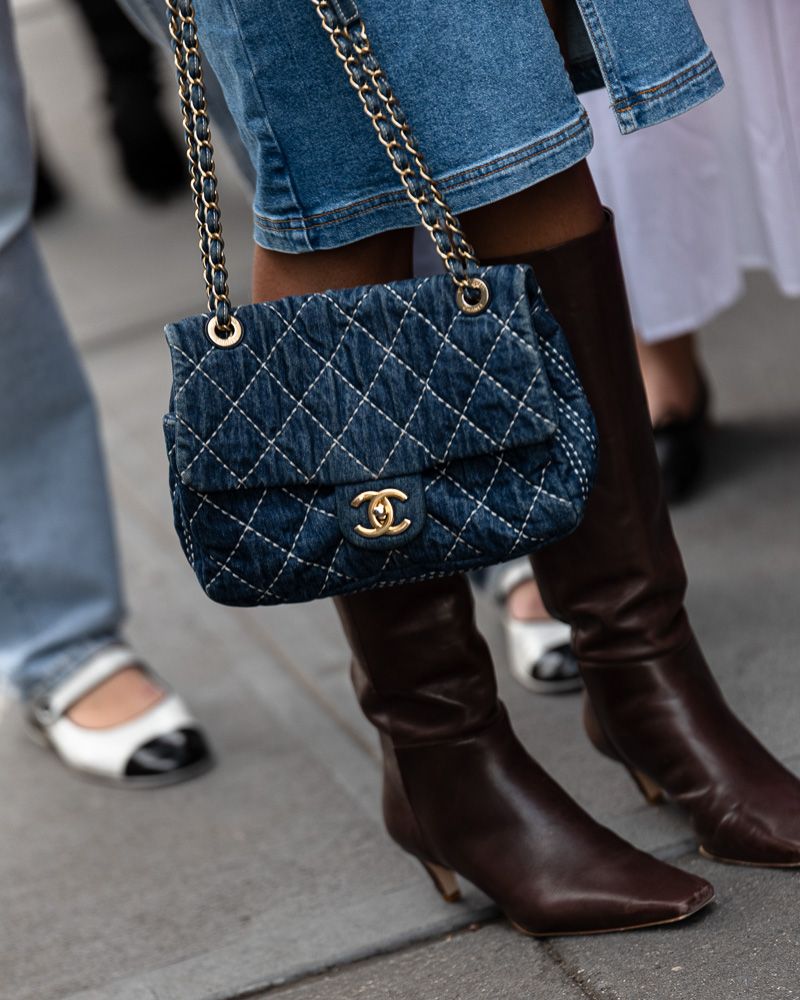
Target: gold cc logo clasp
x,y
380,513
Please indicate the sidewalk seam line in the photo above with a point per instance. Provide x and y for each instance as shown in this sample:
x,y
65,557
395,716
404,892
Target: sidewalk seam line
x,y
552,952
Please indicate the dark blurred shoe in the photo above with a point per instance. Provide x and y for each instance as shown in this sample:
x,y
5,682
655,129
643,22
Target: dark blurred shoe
x,y
681,449
153,162
48,195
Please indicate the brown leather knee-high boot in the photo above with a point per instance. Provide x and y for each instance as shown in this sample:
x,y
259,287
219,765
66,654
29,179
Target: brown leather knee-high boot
x,y
619,581
462,795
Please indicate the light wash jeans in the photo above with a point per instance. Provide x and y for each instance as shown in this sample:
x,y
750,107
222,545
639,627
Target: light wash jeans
x,y
60,596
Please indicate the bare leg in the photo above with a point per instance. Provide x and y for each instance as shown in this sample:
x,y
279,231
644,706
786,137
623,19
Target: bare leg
x,y
525,603
677,400
375,260
672,380
557,209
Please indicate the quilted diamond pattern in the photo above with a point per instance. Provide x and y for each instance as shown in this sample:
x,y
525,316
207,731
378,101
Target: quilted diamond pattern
x,y
357,387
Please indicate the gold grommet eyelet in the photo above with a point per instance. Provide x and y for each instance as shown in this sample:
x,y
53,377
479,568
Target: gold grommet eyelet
x,y
231,340
473,308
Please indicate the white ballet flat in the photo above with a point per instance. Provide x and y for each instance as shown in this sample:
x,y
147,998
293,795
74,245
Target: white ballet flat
x,y
539,652
161,746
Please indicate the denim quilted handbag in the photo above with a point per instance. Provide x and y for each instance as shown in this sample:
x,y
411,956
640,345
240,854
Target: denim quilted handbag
x,y
354,439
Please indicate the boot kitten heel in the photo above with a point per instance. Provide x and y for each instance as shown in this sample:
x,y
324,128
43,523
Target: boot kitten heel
x,y
652,792
445,881
671,718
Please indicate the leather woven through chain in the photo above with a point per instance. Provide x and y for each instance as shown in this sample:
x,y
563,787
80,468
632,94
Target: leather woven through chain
x,y
200,153
365,74
394,132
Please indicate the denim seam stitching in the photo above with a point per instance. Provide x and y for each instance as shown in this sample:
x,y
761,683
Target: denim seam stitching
x,y
364,396
448,184
604,53
205,499
482,504
602,49
579,120
529,514
205,442
692,72
584,124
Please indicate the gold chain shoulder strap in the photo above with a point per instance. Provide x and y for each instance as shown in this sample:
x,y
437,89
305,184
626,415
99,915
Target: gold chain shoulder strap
x,y
223,328
343,23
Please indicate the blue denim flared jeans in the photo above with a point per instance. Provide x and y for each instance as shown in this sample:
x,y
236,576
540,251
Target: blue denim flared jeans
x,y
60,597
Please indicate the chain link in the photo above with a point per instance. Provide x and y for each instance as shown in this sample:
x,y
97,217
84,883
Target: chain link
x,y
365,74
381,84
369,80
200,154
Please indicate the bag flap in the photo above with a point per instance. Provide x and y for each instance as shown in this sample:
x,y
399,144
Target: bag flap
x,y
361,384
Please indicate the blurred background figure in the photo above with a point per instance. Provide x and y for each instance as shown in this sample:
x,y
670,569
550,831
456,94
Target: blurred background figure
x,y
85,692
150,18
153,162
713,194
151,159
698,202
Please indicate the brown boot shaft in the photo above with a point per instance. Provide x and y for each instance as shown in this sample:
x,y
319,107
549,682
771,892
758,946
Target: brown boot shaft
x,y
421,670
619,578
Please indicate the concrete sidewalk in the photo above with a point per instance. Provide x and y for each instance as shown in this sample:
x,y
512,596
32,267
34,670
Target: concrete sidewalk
x,y
273,875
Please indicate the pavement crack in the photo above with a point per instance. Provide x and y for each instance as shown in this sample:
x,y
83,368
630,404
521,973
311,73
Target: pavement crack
x,y
573,973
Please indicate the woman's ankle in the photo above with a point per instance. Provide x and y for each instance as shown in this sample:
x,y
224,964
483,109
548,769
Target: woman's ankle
x,y
672,377
524,603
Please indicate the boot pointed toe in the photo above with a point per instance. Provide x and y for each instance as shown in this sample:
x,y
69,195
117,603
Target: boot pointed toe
x,y
626,916
462,795
485,809
649,894
702,894
669,720
757,837
654,893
